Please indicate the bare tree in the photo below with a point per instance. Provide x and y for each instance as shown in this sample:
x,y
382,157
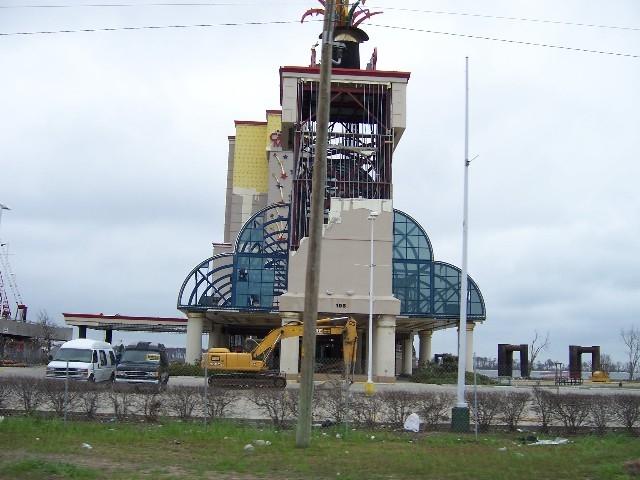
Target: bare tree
x,y
538,344
47,331
606,363
631,339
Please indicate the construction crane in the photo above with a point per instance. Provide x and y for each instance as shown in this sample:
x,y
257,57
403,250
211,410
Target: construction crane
x,y
7,275
5,310
5,267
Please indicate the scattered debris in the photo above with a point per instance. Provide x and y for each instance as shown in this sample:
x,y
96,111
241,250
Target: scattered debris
x,y
373,437
555,441
260,443
327,423
519,454
177,442
1,418
37,438
338,435
249,448
632,467
528,439
412,423
324,434
87,446
502,449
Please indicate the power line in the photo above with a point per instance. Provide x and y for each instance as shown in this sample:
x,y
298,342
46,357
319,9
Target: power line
x,y
411,10
506,40
518,19
118,5
285,22
149,27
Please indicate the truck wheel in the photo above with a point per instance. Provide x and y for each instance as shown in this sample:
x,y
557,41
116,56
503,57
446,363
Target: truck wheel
x,y
279,382
210,381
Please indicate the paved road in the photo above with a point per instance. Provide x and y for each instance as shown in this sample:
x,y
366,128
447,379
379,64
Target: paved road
x,y
587,388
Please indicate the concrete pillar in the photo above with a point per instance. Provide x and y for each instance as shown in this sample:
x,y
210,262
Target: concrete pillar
x,y
215,336
108,335
469,352
407,354
384,350
194,337
425,346
289,349
82,331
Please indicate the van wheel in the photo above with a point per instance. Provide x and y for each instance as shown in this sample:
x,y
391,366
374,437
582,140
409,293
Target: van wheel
x,y
92,379
112,378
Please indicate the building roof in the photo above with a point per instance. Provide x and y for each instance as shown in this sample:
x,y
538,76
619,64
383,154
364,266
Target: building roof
x,y
126,322
86,343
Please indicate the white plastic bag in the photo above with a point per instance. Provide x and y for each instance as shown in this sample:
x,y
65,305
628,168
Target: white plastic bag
x,y
412,423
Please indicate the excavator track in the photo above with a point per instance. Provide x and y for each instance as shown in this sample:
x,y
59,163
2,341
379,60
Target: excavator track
x,y
245,381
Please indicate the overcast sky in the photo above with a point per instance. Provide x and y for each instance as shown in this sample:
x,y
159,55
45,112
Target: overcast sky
x,y
113,152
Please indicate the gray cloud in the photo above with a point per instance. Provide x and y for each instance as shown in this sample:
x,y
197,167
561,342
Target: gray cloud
x,y
113,154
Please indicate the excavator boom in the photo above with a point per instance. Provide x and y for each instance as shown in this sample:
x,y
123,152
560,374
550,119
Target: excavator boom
x,y
221,363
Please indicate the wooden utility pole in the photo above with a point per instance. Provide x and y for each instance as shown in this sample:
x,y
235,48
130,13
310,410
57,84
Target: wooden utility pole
x,y
312,279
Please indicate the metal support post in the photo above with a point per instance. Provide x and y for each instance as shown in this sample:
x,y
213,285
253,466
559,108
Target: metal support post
x,y
206,395
66,393
369,387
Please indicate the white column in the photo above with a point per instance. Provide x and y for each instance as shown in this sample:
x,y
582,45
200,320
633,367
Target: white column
x,y
289,349
425,346
194,337
215,336
384,361
407,355
469,352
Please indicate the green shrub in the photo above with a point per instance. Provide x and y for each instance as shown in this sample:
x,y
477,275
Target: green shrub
x,y
445,374
185,370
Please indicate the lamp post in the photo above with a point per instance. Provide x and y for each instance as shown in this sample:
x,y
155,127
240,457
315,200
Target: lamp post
x,y
460,413
369,387
2,207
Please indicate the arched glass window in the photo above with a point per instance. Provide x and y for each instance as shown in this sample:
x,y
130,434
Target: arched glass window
x,y
412,256
446,298
410,242
261,259
423,286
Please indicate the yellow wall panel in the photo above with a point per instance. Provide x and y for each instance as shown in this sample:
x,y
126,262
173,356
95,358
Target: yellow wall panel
x,y
250,168
274,123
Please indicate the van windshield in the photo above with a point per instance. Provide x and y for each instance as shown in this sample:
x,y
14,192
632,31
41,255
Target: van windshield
x,y
140,356
73,355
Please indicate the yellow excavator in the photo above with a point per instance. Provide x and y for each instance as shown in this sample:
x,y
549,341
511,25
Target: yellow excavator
x,y
252,369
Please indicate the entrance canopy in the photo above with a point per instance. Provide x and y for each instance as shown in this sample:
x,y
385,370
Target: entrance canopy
x,y
124,322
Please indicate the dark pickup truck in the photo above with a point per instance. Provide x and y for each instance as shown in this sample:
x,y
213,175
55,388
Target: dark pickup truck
x,y
143,362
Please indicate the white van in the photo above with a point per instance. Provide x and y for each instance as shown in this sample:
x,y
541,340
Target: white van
x,y
89,360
